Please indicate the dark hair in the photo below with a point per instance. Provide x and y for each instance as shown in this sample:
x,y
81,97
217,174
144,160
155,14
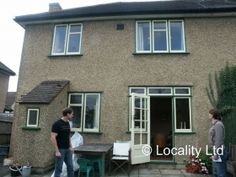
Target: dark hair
x,y
215,114
67,111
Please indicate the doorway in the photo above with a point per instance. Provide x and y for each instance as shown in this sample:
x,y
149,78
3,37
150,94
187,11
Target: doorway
x,y
161,127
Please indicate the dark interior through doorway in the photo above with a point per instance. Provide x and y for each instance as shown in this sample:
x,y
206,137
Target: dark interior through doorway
x,y
161,126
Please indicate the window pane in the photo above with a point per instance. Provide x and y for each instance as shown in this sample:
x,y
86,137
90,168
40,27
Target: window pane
x,y
143,36
160,41
75,28
59,40
160,91
76,121
182,91
91,114
176,35
138,90
75,99
160,26
182,114
33,117
137,118
74,43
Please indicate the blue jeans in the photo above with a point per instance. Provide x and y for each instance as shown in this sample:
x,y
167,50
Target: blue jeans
x,y
220,168
66,156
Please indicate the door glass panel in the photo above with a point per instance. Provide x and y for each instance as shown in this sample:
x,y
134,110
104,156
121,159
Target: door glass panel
x,y
136,138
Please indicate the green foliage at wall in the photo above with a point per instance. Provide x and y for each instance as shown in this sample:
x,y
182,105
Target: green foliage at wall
x,y
221,92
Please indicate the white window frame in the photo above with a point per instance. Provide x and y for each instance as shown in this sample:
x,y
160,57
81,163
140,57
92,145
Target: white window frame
x,y
77,105
183,34
153,41
160,94
182,94
174,97
144,88
28,116
83,111
97,116
168,36
68,26
150,33
190,116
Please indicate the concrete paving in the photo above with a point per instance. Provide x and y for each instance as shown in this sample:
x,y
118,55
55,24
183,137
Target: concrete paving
x,y
136,172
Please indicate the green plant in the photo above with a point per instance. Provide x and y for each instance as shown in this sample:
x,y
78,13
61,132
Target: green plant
x,y
206,159
221,93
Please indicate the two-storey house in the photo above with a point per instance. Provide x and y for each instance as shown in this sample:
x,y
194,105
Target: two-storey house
x,y
131,71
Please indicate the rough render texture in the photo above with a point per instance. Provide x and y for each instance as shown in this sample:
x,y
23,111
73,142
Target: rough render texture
x,y
35,146
108,65
4,79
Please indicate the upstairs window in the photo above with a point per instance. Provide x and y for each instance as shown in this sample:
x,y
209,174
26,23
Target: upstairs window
x,y
67,39
160,36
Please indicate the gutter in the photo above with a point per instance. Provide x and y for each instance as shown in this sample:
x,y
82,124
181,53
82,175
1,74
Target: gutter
x,y
23,23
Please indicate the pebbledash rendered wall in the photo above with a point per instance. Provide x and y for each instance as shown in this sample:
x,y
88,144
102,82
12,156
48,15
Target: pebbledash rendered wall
x,y
34,145
108,64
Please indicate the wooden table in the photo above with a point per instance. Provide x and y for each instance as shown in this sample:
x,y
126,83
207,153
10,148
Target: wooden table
x,y
99,150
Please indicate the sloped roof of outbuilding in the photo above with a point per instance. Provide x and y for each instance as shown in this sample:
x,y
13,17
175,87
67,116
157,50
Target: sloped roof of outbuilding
x,y
45,92
5,70
134,8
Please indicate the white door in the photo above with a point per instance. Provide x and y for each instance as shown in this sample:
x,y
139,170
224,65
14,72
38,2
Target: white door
x,y
140,129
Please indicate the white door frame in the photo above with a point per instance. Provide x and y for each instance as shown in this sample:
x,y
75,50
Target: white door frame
x,y
140,129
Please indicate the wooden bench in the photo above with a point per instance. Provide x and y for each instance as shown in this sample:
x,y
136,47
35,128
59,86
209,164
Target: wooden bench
x,y
231,163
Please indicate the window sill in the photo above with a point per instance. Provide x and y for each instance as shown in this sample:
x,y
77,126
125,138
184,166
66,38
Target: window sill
x,y
184,133
60,56
98,133
31,128
172,53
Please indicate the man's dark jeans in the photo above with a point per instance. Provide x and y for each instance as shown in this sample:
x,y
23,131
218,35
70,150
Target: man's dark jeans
x,y
66,156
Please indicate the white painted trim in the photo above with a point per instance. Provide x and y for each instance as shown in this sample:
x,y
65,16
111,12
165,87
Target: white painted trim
x,y
183,36
182,94
54,35
37,118
144,88
190,116
153,41
66,42
157,94
77,105
136,42
68,38
97,114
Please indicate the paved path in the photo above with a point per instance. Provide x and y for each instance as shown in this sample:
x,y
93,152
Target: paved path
x,y
142,172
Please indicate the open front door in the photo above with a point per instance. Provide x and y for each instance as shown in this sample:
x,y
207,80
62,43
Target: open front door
x,y
140,130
